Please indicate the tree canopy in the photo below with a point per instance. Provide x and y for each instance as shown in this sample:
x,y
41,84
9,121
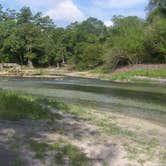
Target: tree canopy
x,y
32,39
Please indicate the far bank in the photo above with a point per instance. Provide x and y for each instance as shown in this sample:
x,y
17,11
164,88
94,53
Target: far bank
x,y
151,73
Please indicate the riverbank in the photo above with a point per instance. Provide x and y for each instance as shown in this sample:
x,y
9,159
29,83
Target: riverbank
x,y
75,134
133,73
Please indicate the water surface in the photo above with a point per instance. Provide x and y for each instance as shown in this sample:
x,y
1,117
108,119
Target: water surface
x,y
138,100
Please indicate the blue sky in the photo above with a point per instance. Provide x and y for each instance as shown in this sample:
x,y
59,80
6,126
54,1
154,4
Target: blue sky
x,y
64,12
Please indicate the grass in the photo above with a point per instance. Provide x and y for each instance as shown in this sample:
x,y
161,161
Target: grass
x,y
105,122
136,144
155,73
62,152
164,158
40,149
100,70
53,103
141,146
15,106
17,162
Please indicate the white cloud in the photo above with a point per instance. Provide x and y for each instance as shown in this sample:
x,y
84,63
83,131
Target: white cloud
x,y
117,3
108,23
40,3
66,11
61,11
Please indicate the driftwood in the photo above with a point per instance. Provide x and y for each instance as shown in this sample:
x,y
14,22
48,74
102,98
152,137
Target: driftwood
x,y
9,66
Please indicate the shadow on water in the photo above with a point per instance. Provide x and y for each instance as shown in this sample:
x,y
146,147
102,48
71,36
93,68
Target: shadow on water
x,y
158,98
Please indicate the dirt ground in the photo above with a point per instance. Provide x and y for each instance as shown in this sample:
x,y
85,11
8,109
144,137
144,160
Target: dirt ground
x,y
146,148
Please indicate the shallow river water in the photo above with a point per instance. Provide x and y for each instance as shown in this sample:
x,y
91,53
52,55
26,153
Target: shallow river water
x,y
136,100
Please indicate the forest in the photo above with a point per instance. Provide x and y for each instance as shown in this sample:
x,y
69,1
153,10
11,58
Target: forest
x,y
32,39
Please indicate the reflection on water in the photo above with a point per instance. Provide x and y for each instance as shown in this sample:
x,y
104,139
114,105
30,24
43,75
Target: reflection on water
x,y
141,100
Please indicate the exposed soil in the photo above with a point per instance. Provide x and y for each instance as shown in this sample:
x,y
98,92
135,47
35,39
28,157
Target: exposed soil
x,y
101,148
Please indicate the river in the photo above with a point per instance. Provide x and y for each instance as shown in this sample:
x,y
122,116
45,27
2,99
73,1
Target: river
x,y
132,99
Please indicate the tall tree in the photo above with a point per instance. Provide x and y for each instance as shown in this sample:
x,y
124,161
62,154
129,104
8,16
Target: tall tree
x,y
156,8
126,45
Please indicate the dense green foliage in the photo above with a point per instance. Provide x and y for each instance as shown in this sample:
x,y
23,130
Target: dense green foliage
x,y
126,42
34,40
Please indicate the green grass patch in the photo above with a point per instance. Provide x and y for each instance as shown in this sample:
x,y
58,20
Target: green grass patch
x,y
62,151
163,156
53,103
17,162
100,70
108,125
139,146
105,122
15,106
40,149
155,73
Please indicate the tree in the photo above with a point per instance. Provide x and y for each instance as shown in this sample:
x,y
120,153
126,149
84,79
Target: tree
x,y
30,28
14,46
156,40
93,56
156,8
126,45
83,43
25,16
34,40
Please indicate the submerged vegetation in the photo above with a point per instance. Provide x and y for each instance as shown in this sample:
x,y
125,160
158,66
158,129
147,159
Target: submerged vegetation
x,y
34,40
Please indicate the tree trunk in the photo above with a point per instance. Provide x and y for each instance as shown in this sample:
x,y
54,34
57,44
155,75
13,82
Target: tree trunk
x,y
30,64
21,59
57,65
63,57
63,60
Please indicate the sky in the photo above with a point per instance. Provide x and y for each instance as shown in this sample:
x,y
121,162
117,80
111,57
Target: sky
x,y
63,12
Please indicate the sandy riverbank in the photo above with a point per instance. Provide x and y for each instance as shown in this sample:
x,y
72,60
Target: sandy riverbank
x,y
119,75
